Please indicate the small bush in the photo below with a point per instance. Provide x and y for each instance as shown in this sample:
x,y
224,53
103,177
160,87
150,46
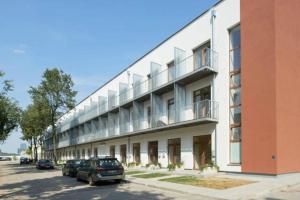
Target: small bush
x,y
171,167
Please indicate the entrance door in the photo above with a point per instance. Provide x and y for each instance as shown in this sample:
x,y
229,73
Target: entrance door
x,y
123,153
174,151
153,152
136,152
112,151
202,150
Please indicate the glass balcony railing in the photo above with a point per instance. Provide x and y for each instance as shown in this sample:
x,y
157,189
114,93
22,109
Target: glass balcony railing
x,y
125,96
141,88
185,67
200,110
205,110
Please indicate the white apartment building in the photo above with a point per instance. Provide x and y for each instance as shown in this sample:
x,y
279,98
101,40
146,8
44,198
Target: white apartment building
x,y
177,104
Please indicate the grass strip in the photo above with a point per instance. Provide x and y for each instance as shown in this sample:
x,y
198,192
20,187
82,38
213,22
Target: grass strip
x,y
151,175
209,182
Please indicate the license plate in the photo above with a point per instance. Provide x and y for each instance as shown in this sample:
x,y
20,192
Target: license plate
x,y
111,171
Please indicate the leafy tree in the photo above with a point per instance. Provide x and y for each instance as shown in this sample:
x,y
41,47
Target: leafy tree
x,y
9,110
56,90
35,119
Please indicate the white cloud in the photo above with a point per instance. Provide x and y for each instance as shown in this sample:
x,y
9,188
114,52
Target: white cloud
x,y
19,51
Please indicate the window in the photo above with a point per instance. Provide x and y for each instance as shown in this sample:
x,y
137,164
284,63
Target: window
x,y
83,153
149,116
201,106
235,95
202,56
171,111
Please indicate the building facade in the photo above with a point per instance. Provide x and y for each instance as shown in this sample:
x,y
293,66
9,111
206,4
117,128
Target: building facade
x,y
189,101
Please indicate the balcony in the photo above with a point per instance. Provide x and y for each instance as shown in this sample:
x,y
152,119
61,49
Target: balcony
x,y
185,70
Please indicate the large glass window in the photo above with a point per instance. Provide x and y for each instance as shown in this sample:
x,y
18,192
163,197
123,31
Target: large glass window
x,y
235,95
174,150
136,148
202,56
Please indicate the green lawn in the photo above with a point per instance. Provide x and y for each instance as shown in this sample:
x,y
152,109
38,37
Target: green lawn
x,y
133,172
151,175
209,182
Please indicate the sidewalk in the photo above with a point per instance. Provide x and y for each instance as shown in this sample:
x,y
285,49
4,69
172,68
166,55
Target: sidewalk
x,y
263,185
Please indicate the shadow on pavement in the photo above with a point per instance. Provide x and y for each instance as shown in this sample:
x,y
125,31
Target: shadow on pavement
x,y
59,187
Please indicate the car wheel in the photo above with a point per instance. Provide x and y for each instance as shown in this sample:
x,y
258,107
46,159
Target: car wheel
x,y
118,180
91,181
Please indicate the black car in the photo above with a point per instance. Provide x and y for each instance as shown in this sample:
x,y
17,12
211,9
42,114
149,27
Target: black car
x,y
101,169
44,164
24,160
71,166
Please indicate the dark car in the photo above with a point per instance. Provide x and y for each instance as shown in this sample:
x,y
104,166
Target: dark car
x,y
24,160
101,169
71,166
44,164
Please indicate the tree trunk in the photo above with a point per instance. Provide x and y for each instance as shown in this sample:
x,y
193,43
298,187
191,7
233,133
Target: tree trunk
x,y
54,135
35,150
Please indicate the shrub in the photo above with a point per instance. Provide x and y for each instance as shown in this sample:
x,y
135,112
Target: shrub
x,y
171,167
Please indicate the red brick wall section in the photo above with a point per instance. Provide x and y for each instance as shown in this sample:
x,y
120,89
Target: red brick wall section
x,y
287,15
258,86
270,44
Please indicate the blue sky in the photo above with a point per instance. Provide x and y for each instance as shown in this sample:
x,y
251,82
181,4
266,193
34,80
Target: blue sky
x,y
91,40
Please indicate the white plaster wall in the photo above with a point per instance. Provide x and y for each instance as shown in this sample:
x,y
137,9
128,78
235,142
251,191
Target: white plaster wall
x,y
198,32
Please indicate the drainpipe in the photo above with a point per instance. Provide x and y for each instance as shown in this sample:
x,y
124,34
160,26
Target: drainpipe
x,y
213,63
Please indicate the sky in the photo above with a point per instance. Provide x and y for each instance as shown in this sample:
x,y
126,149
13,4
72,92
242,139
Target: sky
x,y
92,40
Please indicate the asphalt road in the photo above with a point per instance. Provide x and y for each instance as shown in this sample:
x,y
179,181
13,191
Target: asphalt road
x,y
19,182
26,182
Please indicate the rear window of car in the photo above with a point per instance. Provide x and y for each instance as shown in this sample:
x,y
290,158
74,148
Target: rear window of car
x,y
108,163
45,161
77,162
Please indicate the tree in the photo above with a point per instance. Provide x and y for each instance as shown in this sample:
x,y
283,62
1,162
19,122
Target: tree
x,y
35,119
9,110
56,90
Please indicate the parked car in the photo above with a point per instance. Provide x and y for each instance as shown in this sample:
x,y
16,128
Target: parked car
x,y
70,168
24,160
5,159
101,169
44,164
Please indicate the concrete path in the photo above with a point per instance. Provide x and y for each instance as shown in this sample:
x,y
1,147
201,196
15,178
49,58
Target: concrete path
x,y
262,189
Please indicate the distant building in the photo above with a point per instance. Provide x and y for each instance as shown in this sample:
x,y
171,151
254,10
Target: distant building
x,y
23,147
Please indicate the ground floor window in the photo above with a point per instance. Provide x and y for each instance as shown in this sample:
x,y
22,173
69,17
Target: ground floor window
x,y
153,152
123,153
96,152
235,145
202,151
112,151
89,153
74,153
78,154
83,153
136,152
174,149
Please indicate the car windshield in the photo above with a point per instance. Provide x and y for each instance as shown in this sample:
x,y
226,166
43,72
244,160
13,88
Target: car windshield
x,y
109,163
